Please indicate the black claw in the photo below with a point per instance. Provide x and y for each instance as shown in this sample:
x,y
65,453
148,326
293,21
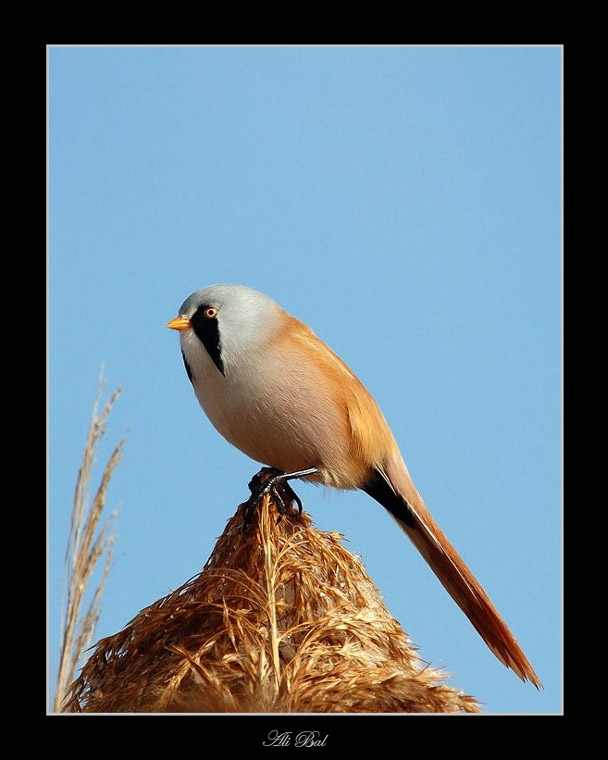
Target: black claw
x,y
293,496
267,480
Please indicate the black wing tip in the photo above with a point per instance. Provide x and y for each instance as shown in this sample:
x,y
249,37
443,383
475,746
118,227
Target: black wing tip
x,y
381,490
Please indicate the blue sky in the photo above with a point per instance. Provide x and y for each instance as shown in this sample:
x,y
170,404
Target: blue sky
x,y
405,202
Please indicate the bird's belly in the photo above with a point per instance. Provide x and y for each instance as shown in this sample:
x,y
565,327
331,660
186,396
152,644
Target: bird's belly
x,y
289,425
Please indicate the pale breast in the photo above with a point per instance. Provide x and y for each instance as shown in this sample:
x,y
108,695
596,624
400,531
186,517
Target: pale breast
x,y
279,411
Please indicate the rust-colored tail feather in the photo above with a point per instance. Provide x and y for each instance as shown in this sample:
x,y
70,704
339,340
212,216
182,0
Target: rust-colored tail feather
x,y
407,507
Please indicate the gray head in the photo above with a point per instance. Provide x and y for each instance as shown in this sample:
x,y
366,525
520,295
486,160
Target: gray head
x,y
229,320
231,298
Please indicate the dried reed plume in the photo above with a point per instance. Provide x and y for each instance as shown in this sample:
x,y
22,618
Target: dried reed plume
x,y
282,618
87,544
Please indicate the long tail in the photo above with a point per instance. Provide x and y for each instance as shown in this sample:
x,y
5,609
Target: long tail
x,y
393,488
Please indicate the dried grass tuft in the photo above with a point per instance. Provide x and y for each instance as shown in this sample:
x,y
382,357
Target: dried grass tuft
x,y
282,618
89,540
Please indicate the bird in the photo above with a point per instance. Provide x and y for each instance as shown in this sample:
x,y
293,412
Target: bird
x,y
279,394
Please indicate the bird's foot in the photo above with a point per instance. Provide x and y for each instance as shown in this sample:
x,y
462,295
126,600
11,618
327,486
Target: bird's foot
x,y
271,480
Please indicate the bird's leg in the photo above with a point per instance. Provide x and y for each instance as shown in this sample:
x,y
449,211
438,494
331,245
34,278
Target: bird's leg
x,y
270,479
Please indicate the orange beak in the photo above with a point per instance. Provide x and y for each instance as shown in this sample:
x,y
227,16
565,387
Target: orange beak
x,y
179,323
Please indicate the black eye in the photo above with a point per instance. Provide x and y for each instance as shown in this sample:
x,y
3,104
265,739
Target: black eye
x,y
210,312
